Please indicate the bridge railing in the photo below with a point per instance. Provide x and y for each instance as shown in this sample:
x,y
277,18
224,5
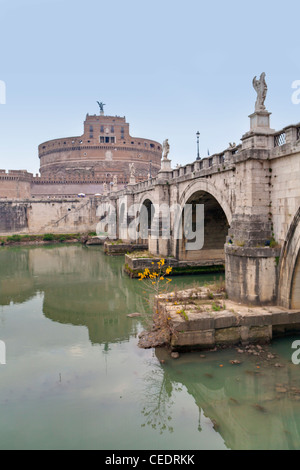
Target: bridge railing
x,y
288,135
279,139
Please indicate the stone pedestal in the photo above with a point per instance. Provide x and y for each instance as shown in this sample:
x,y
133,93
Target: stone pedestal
x,y
260,121
260,136
166,169
166,165
132,180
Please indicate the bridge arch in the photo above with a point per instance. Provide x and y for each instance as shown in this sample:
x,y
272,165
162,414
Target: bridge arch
x,y
289,267
146,213
217,219
206,186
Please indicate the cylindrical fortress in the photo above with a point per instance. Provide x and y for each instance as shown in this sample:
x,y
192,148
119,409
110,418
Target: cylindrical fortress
x,y
104,150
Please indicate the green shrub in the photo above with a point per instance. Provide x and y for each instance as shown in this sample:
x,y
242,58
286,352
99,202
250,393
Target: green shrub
x,y
14,238
48,237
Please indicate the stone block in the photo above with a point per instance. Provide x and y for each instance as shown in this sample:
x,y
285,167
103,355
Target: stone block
x,y
225,319
196,320
228,335
200,339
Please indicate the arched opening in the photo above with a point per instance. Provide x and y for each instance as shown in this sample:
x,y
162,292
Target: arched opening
x,y
295,291
150,212
289,267
146,215
215,230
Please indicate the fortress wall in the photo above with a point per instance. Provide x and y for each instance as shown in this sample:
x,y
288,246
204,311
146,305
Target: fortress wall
x,y
53,216
66,190
105,149
15,185
13,218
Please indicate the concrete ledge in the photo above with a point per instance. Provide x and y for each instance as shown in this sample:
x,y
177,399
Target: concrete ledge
x,y
202,319
117,248
133,265
252,252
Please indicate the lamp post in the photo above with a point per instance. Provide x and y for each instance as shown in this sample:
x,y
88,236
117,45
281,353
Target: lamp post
x,y
198,152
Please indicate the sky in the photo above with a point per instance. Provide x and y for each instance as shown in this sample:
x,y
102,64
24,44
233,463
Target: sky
x,y
172,68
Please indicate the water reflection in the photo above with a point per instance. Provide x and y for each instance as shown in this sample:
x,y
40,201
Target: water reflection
x,y
254,405
250,406
81,286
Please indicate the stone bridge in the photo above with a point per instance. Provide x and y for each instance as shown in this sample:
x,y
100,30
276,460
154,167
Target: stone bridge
x,y
251,197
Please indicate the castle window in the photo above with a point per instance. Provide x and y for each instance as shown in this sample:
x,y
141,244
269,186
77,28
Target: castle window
x,y
91,129
152,146
113,140
106,139
132,143
91,136
101,140
112,130
102,129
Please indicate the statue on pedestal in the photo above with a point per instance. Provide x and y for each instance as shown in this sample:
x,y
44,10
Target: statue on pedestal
x,y
261,89
101,106
132,170
166,149
132,173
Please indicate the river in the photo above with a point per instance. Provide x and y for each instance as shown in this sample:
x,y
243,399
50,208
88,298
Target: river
x,y
75,377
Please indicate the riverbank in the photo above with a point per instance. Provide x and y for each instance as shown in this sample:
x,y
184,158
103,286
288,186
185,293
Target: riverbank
x,y
50,238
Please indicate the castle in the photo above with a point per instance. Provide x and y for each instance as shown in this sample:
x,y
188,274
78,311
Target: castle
x,y
99,158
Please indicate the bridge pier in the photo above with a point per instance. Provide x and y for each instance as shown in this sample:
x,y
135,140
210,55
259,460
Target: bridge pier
x,y
251,260
251,274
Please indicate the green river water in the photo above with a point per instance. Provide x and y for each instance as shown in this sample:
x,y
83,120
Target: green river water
x,y
75,378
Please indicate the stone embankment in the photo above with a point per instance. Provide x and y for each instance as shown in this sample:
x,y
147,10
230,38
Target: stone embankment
x,y
203,318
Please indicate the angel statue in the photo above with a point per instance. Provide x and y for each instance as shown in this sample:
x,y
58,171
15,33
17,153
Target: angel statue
x,y
101,106
132,170
261,89
166,149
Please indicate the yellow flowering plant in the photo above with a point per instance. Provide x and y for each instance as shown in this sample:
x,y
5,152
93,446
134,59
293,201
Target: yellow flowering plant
x,y
156,281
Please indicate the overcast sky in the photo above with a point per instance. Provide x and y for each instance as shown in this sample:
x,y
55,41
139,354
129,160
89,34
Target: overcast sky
x,y
172,68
